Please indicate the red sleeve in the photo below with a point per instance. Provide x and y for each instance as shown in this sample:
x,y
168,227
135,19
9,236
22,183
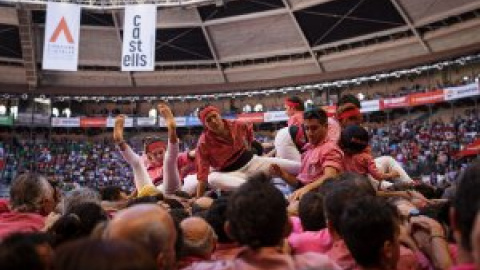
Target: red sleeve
x,y
249,133
372,168
203,164
333,158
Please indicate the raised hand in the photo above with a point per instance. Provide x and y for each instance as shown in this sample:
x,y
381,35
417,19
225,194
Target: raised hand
x,y
167,114
118,129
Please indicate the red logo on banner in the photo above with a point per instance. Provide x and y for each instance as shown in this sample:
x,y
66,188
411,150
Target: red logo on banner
x,y
398,102
62,27
93,122
427,98
251,117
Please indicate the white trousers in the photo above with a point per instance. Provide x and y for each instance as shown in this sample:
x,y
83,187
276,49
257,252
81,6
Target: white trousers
x,y
228,181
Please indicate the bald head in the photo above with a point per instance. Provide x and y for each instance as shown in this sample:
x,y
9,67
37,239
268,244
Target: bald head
x,y
198,237
148,225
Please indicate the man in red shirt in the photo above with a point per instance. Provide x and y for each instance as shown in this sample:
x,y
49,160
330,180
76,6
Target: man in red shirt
x,y
322,159
225,146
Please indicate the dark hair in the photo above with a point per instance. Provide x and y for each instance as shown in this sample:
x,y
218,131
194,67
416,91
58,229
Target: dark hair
x,y
111,193
354,139
103,255
361,182
78,222
178,215
349,98
173,203
217,216
257,213
316,113
299,101
145,199
340,194
310,211
257,148
466,202
366,224
18,251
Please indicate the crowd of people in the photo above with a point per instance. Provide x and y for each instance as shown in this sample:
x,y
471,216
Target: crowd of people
x,y
321,199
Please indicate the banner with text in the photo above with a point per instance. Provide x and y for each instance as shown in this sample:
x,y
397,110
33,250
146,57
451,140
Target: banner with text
x,y
275,116
192,121
65,122
398,102
181,121
128,122
146,121
62,28
370,106
426,98
93,122
250,117
138,52
469,90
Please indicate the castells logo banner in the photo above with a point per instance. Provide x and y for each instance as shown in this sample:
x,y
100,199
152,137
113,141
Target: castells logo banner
x,y
139,27
62,28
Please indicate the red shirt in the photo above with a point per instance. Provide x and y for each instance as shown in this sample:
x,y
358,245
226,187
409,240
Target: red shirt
x,y
296,119
186,165
16,222
362,163
217,152
317,158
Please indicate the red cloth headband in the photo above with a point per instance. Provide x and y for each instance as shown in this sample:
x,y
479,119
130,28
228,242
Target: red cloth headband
x,y
291,103
203,113
155,145
349,113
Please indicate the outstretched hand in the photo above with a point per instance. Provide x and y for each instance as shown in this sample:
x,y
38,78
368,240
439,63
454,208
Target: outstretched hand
x,y
167,114
118,129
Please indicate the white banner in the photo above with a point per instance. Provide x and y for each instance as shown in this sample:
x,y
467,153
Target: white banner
x,y
65,122
128,122
275,116
146,122
62,29
463,91
370,106
180,120
139,29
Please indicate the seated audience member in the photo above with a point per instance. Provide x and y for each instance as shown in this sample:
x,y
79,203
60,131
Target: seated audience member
x,y
257,220
149,226
314,237
322,159
369,227
103,255
77,223
216,216
31,199
199,241
26,251
354,142
462,215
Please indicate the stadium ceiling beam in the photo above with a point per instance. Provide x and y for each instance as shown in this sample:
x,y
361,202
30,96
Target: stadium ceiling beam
x,y
116,22
213,50
304,38
27,43
407,19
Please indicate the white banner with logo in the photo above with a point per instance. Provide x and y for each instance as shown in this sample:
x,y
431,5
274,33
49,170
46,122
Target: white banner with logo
x,y
181,121
62,29
139,30
146,121
463,91
370,106
65,122
275,116
128,122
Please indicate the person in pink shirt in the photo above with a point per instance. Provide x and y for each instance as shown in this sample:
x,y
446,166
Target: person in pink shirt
x,y
31,200
159,165
358,158
257,220
224,146
321,160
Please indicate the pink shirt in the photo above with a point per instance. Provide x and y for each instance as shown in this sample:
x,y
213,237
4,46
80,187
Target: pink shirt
x,y
296,224
317,158
319,242
155,171
464,267
186,165
216,152
226,251
362,163
342,256
334,130
14,222
268,258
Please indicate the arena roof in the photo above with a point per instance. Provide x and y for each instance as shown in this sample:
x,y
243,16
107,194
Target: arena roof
x,y
242,44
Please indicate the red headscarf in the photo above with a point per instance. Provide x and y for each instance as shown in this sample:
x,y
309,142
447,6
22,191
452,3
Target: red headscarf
x,y
155,145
